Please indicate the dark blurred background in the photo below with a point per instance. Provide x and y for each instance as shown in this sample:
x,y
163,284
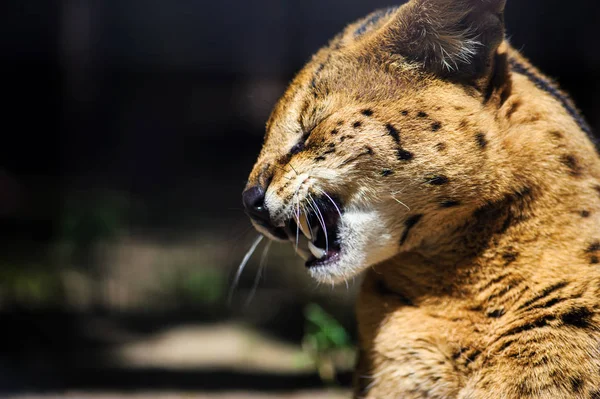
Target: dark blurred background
x,y
128,130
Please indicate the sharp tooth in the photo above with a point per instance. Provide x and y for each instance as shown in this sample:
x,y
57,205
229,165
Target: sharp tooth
x,y
316,251
303,224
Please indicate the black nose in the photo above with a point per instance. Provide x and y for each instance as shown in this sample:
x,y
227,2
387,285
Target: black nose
x,y
254,202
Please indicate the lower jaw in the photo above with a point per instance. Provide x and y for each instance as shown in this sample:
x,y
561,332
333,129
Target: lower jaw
x,y
329,260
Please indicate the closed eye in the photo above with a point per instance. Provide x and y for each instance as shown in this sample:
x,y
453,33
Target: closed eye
x,y
297,148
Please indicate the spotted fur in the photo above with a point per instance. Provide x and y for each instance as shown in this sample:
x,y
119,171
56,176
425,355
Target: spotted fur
x,y
469,190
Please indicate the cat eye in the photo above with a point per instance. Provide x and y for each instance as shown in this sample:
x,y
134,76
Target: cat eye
x,y
297,148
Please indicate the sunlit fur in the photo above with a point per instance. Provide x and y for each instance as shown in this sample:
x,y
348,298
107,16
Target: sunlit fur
x,y
469,192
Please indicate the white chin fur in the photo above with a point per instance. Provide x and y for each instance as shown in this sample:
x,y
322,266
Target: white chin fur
x,y
365,241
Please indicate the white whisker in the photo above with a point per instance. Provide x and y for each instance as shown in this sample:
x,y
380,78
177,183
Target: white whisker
x,y
332,201
261,265
296,196
242,265
322,221
400,202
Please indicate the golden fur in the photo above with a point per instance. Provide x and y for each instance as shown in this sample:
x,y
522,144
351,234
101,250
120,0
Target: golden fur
x,y
487,284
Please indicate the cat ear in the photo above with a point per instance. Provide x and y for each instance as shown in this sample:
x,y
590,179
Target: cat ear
x,y
447,36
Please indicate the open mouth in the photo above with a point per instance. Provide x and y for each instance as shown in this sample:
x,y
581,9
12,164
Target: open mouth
x,y
314,233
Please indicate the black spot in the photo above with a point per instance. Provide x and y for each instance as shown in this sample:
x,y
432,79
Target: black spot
x,y
595,394
386,172
393,132
594,260
435,126
331,145
597,188
556,134
579,317
595,246
369,150
509,257
584,214
357,124
472,355
481,140
330,151
571,162
319,158
439,180
340,123
348,136
496,313
422,114
440,146
334,132
367,112
408,225
404,113
449,203
404,155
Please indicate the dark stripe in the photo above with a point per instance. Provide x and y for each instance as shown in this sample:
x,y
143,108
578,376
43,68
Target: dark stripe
x,y
393,132
571,162
539,323
313,82
508,286
548,304
549,88
506,344
401,154
513,108
449,203
496,313
578,317
408,225
437,180
373,19
544,293
494,281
